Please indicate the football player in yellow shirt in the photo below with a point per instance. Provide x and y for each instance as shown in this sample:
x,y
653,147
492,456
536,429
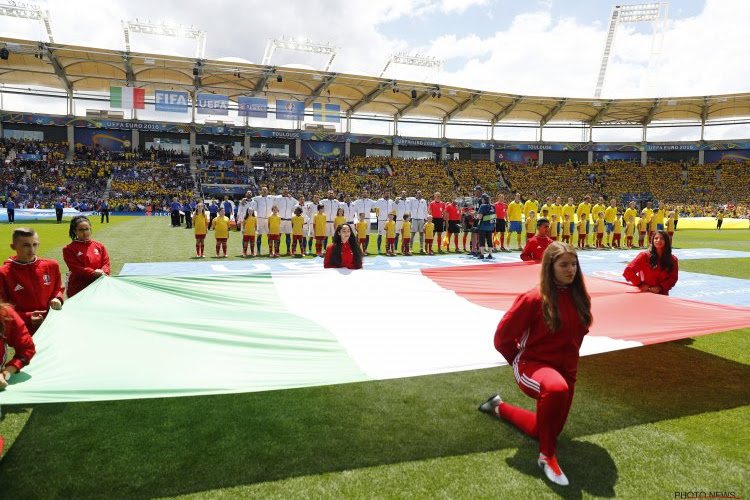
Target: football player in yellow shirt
x,y
220,225
319,226
406,235
298,225
429,234
600,226
553,225
642,226
390,235
361,229
566,229
629,230
531,204
617,233
200,225
569,210
610,215
274,232
583,212
515,210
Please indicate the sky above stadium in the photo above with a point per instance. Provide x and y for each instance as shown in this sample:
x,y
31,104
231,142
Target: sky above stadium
x,y
545,47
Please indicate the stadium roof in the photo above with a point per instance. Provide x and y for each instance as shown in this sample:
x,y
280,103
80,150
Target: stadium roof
x,y
87,69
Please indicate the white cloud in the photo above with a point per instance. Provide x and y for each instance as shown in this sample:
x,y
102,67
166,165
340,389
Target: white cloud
x,y
459,6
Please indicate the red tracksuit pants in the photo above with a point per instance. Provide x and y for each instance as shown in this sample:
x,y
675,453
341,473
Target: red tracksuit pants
x,y
553,393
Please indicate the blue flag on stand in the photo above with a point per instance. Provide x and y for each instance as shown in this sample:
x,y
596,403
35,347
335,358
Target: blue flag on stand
x,y
326,112
290,110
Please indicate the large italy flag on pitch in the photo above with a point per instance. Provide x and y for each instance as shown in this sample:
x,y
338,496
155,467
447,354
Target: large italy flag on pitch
x,y
144,337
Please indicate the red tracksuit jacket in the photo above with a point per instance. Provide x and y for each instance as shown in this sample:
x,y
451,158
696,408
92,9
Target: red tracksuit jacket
x,y
83,258
347,257
535,247
639,271
522,334
15,335
30,286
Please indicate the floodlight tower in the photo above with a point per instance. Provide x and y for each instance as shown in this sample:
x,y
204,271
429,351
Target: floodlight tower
x,y
165,29
655,13
27,11
300,45
413,60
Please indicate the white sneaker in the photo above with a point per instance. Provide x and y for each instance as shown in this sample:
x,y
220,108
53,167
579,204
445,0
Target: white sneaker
x,y
490,405
552,470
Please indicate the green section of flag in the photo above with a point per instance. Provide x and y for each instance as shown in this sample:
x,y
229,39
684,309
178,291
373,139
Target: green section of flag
x,y
148,337
115,97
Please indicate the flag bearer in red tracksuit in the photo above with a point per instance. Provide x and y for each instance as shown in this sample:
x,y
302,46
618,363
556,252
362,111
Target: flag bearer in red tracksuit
x,y
87,259
33,285
540,336
655,270
16,335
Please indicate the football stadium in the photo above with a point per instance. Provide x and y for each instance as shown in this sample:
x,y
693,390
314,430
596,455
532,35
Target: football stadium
x,y
285,279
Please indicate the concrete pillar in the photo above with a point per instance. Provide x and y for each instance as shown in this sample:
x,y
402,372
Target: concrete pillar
x,y
298,147
347,149
701,157
246,146
394,152
644,157
443,153
1,129
193,159
71,140
492,154
135,140
541,157
591,157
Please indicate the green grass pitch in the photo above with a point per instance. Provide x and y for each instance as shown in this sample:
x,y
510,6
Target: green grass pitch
x,y
646,422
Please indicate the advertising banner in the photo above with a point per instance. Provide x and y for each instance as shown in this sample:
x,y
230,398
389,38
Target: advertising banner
x,y
739,155
213,104
322,149
289,110
256,107
111,140
171,101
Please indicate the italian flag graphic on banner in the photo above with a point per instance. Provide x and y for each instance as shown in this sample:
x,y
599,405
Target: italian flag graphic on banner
x,y
127,98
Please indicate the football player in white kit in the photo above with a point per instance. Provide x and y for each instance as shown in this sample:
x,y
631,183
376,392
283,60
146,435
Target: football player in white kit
x,y
263,204
417,207
286,204
364,205
385,206
330,207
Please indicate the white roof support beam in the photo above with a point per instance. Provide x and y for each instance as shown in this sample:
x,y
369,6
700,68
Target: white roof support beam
x,y
602,111
327,82
461,107
506,110
546,118
382,87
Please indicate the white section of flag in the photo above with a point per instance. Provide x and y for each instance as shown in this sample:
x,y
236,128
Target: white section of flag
x,y
402,324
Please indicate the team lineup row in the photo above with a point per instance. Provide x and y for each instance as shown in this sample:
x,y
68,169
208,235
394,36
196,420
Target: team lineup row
x,y
303,222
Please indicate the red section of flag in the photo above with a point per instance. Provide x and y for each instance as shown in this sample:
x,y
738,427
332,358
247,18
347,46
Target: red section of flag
x,y
620,311
139,98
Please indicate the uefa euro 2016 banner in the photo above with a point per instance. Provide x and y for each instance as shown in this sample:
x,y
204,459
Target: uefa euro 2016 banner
x,y
289,110
213,104
253,106
171,101
316,149
109,139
